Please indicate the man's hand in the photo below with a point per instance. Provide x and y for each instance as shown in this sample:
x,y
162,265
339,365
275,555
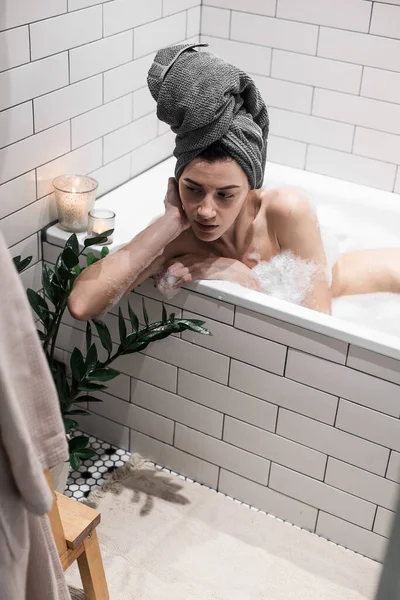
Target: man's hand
x,y
192,267
173,204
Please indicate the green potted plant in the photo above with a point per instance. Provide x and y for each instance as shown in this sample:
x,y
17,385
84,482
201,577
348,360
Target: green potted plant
x,y
88,374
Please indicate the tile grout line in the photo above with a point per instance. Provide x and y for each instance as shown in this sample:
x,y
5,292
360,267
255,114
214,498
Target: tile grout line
x,y
316,524
388,464
317,44
29,43
374,519
325,470
174,434
361,81
370,17
347,355
33,119
336,414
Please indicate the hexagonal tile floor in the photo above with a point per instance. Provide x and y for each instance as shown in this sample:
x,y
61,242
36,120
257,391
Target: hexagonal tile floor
x,y
91,473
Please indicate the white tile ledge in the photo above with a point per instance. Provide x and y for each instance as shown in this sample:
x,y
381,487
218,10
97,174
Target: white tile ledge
x,y
129,222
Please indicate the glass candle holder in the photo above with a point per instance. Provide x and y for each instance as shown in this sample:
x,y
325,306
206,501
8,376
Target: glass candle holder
x,y
75,196
101,220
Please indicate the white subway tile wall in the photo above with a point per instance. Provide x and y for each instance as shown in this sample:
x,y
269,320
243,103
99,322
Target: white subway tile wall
x,y
50,36
15,124
299,425
64,104
73,97
338,60
14,48
164,32
287,152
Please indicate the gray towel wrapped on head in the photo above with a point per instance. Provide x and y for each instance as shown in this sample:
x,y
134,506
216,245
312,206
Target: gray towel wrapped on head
x,y
205,99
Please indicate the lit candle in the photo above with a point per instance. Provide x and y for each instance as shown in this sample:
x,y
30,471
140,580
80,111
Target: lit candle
x,y
75,197
101,220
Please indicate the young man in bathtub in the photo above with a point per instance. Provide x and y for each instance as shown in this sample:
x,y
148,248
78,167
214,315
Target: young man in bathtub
x,y
215,227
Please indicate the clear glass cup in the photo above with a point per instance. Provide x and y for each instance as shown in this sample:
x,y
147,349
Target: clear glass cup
x,y
75,197
101,220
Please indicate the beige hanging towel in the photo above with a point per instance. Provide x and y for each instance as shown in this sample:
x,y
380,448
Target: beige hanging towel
x,y
32,438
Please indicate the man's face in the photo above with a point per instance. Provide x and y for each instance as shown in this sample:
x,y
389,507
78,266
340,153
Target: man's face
x,y
212,196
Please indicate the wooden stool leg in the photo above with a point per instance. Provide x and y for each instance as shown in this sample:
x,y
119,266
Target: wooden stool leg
x,y
92,571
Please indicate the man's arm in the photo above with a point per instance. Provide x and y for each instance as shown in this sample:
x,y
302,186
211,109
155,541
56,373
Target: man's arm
x,y
297,230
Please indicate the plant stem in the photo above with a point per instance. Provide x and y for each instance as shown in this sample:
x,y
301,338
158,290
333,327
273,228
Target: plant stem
x,y
49,334
54,333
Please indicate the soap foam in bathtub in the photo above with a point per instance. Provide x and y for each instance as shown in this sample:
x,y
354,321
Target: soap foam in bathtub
x,y
286,276
165,284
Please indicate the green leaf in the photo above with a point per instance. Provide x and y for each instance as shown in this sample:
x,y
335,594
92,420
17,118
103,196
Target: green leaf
x,y
130,339
77,411
61,272
91,359
133,318
89,386
103,374
91,259
172,317
75,461
42,336
86,453
145,315
193,326
104,251
78,270
21,265
100,239
73,243
88,336
69,424
63,389
92,399
159,333
51,290
78,443
136,347
39,305
69,258
86,399
122,326
164,314
104,335
77,365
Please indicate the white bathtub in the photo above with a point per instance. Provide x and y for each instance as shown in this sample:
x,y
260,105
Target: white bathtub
x,y
294,412
357,212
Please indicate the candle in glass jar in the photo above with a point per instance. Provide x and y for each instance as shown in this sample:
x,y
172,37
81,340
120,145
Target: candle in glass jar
x,y
101,220
75,197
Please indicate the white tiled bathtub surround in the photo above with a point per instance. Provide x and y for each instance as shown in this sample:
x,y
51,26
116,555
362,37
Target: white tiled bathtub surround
x,y
291,411
73,97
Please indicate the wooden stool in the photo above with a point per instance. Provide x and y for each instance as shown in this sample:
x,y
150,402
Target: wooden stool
x,y
74,530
